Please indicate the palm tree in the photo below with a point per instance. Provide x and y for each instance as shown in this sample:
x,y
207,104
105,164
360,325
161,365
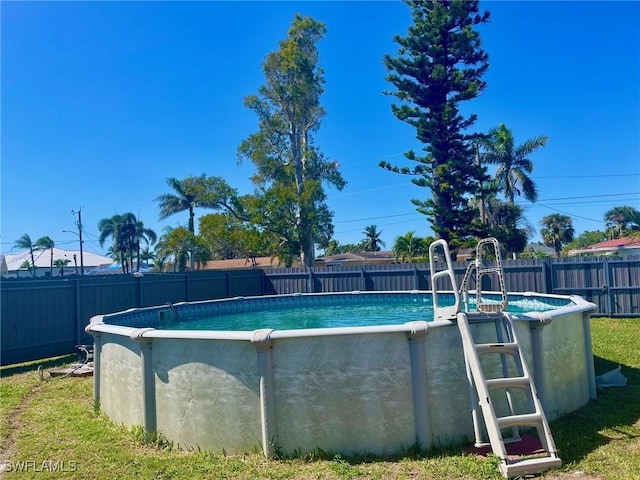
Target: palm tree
x,y
372,242
25,243
45,243
557,230
119,228
621,220
26,265
514,167
175,244
146,255
61,264
142,234
408,247
181,201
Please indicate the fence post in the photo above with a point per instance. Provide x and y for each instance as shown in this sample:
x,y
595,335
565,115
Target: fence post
x,y
606,287
363,283
550,274
543,274
140,296
415,277
186,286
79,326
310,286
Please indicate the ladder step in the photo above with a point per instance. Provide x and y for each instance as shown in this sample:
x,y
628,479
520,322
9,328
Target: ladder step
x,y
494,268
507,348
510,382
527,419
518,468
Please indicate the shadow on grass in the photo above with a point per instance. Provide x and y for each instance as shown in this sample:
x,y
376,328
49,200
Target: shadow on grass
x,y
616,409
6,371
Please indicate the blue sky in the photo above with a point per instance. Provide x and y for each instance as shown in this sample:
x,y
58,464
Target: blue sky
x,y
102,101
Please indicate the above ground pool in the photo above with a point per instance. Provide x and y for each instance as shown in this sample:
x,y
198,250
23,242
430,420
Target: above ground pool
x,y
352,373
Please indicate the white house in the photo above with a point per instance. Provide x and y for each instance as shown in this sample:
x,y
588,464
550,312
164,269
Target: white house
x,y
42,258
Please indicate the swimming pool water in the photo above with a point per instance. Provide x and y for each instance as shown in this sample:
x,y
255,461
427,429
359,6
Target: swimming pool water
x,y
341,313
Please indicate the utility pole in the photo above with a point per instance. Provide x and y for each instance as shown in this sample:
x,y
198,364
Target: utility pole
x,y
79,223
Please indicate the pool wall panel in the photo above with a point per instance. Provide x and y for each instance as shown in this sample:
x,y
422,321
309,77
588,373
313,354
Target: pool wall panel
x,y
121,381
566,379
347,394
207,393
447,386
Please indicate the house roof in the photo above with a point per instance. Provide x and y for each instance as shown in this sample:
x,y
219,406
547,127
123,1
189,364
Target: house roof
x,y
616,243
43,258
361,257
260,262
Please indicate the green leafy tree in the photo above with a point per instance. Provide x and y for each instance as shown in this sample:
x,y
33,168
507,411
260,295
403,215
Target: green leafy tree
x,y
513,165
227,237
440,63
372,241
46,243
621,221
557,230
290,169
220,232
25,243
507,225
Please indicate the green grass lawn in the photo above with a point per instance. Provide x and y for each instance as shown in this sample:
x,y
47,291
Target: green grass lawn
x,y
55,421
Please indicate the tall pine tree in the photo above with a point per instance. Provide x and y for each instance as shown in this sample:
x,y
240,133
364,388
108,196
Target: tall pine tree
x,y
440,63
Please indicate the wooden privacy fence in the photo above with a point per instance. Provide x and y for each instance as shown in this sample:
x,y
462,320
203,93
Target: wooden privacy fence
x,y
42,318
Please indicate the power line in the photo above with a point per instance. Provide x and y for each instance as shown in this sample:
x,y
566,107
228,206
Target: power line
x,y
343,232
589,196
570,214
588,176
630,200
376,218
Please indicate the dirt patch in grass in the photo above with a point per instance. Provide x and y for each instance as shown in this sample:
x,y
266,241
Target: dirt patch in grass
x,y
12,423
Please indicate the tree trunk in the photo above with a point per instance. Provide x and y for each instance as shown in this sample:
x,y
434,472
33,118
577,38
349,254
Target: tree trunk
x,y
33,264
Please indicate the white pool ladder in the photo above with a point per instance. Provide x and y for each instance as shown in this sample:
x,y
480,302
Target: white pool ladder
x,y
491,248
506,346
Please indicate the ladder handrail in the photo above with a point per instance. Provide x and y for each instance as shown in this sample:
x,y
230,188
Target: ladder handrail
x,y
450,312
480,271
